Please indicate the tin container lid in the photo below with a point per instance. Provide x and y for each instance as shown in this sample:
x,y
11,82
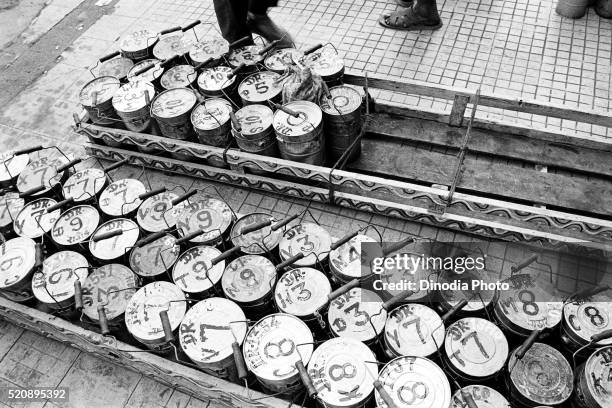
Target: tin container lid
x,y
138,40
350,314
346,259
414,381
11,166
17,257
598,379
478,299
194,272
309,119
115,247
59,271
209,329
586,318
260,86
84,184
10,206
257,242
116,67
412,276
340,373
308,238
247,55
215,78
280,59
156,257
302,291
142,312
41,171
209,214
542,304
476,347
213,47
121,197
157,213
75,225
148,76
248,278
131,96
344,100
211,114
254,119
324,62
105,88
32,222
173,103
483,396
543,375
274,344
179,76
170,45
111,285
414,329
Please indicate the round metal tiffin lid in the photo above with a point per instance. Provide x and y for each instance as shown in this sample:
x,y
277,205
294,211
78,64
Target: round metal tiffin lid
x,y
104,89
260,87
33,221
156,257
75,225
170,45
84,184
213,47
194,272
476,347
309,119
598,380
211,215
414,382
10,205
148,76
280,59
346,259
59,272
138,40
111,285
274,344
142,312
343,367
414,329
324,62
248,278
543,375
121,197
131,96
179,76
254,119
211,114
483,396
157,213
118,246
308,238
116,67
302,291
17,258
344,100
215,78
586,318
350,315
173,103
247,55
12,165
42,171
209,329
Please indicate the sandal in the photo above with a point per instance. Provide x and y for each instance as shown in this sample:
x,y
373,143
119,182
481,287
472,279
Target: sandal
x,y
408,20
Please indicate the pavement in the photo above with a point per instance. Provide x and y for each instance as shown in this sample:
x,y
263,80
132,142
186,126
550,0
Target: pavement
x,y
515,48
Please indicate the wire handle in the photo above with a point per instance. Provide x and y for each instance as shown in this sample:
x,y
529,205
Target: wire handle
x,y
589,292
189,237
190,25
115,165
397,299
107,235
224,255
240,42
256,226
103,321
397,246
286,110
467,397
27,150
284,222
343,289
268,47
144,69
313,49
384,394
31,191
169,30
236,70
59,205
289,261
165,320
523,264
241,367
454,310
78,296
148,239
306,380
152,193
109,56
183,197
344,240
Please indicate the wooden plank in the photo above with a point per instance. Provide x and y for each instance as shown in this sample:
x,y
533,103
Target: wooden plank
x,y
186,379
407,162
458,110
486,99
499,144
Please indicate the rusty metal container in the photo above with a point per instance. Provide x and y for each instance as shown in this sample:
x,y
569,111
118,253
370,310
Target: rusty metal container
x,y
300,137
132,103
342,121
96,97
172,109
256,134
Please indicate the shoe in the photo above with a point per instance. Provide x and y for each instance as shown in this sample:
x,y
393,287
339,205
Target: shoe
x,y
405,3
410,19
263,25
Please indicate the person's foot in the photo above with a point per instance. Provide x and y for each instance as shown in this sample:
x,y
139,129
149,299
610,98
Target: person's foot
x,y
263,25
405,3
412,18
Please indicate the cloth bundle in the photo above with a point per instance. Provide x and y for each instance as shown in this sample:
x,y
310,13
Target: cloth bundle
x,y
302,84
